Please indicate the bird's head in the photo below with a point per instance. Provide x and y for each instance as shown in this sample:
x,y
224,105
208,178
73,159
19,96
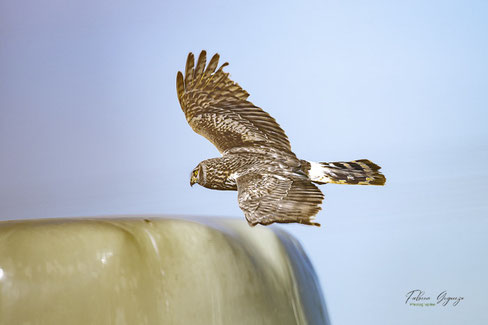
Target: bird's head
x,y
198,175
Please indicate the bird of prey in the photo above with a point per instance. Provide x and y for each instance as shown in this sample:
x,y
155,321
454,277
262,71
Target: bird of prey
x,y
273,185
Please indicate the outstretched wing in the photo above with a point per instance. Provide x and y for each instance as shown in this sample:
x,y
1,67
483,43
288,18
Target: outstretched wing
x,y
268,198
217,108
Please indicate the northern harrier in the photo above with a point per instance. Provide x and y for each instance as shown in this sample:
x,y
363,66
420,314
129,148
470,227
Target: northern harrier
x,y
273,185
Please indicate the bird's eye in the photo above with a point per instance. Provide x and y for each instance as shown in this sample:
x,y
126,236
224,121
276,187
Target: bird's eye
x,y
195,172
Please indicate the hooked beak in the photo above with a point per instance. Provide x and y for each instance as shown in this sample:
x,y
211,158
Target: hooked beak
x,y
193,180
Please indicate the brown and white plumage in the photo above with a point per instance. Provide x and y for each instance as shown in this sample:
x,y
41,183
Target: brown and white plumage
x,y
217,108
273,184
266,198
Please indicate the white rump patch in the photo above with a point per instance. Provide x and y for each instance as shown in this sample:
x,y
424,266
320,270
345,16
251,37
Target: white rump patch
x,y
318,172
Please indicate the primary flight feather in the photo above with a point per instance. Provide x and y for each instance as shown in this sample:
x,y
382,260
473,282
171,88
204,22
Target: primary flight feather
x,y
273,184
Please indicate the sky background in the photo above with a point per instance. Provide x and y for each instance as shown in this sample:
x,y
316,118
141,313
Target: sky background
x,y
90,125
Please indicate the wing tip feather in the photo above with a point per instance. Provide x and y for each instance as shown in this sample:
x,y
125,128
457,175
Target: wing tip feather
x,y
201,63
189,69
212,65
180,85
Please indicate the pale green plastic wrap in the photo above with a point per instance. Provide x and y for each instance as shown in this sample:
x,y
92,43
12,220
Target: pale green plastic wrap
x,y
154,271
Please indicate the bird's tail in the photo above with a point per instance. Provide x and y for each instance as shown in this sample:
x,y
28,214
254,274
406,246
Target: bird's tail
x,y
357,172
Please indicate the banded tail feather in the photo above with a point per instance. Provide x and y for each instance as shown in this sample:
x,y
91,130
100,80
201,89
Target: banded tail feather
x,y
356,172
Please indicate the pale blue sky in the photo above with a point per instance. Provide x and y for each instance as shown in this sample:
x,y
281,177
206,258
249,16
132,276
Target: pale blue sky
x,y
90,125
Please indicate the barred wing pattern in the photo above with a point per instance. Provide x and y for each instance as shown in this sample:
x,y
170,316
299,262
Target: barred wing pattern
x,y
217,108
268,198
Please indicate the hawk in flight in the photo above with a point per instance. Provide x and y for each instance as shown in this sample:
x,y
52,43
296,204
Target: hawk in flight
x,y
273,185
